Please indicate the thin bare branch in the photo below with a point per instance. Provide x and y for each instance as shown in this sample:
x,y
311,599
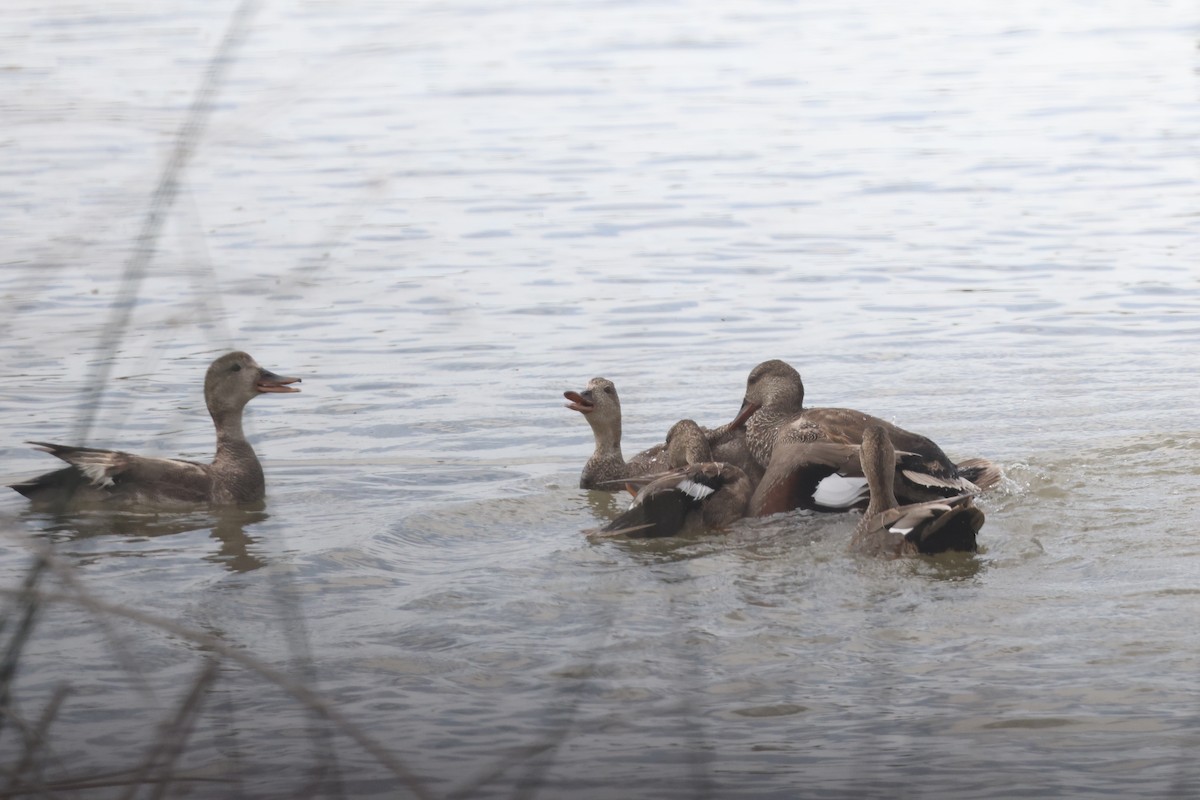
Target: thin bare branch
x,y
106,781
510,759
169,745
156,215
35,740
298,690
27,601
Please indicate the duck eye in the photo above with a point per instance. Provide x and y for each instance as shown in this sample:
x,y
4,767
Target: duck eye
x,y
237,368
608,390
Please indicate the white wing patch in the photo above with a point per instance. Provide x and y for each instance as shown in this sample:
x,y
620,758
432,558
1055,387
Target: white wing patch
x,y
925,479
97,473
691,488
917,514
838,491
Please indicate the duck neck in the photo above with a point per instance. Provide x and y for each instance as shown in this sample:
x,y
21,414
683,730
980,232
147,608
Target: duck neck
x,y
607,434
761,430
880,470
231,439
237,473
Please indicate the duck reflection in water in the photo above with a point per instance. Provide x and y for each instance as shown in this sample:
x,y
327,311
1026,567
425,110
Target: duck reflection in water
x,y
227,527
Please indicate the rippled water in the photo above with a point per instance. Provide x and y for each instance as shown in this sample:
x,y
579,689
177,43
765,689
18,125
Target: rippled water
x,y
976,219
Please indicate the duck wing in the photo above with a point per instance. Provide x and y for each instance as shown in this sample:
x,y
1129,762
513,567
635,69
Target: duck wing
x,y
110,474
924,472
981,472
819,475
708,493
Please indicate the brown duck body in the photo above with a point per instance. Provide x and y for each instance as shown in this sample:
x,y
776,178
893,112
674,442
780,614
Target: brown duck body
x,y
607,468
698,493
779,430
889,529
729,445
114,478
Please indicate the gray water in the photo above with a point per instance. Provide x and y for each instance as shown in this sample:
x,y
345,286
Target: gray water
x,y
978,220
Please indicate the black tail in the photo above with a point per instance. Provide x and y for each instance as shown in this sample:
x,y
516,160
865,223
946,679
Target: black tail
x,y
953,530
52,487
980,471
659,515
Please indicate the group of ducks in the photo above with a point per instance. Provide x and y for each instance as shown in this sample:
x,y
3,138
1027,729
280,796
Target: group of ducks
x,y
777,455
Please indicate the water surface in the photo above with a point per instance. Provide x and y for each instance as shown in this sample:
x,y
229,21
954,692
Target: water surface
x,y
976,220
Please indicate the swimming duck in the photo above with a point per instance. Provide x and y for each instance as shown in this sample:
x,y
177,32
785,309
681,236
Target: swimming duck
x,y
115,478
607,467
888,528
778,427
698,493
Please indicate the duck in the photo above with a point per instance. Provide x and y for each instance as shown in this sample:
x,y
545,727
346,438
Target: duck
x,y
117,479
779,428
607,468
698,493
890,529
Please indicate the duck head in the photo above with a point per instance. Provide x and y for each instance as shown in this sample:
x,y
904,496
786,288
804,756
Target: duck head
x,y
772,384
235,379
600,406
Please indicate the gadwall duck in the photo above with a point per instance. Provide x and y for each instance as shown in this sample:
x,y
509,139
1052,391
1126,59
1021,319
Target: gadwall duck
x,y
888,528
698,493
116,478
778,427
607,467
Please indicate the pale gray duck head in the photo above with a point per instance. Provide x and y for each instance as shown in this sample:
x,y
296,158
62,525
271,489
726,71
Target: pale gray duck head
x,y
601,407
235,379
774,394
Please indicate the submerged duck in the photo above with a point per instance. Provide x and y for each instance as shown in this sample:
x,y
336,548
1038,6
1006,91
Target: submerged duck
x,y
698,493
779,427
607,467
888,528
115,478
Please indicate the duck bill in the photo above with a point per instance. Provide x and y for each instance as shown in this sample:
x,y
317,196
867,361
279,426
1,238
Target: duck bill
x,y
747,411
270,382
579,403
